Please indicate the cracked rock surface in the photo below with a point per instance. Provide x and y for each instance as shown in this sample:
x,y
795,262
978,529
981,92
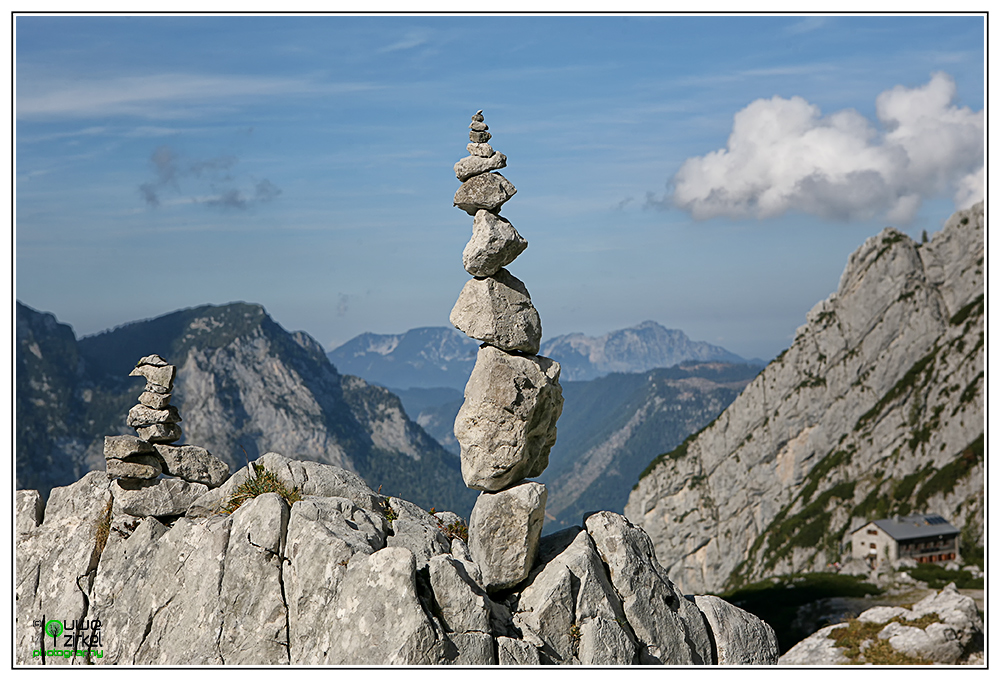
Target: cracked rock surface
x,y
345,576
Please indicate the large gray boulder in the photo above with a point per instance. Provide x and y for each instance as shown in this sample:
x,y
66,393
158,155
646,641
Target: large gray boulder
x,y
670,629
163,497
417,530
379,616
739,637
504,530
488,191
507,424
570,604
55,561
194,464
494,244
497,310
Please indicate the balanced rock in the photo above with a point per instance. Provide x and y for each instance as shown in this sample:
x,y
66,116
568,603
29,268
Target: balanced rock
x,y
140,415
194,464
154,400
124,446
479,149
504,530
160,432
497,310
159,378
488,191
494,244
470,166
140,466
507,424
479,136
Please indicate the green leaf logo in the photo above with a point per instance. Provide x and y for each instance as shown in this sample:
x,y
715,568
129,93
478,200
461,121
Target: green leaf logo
x,y
54,628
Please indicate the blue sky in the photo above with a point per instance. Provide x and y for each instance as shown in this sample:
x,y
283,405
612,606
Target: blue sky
x,y
710,173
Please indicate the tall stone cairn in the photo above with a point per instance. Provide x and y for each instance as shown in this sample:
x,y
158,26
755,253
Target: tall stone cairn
x,y
507,424
138,462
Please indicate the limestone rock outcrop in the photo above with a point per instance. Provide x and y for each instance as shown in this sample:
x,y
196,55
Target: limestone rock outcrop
x,y
883,384
943,628
323,580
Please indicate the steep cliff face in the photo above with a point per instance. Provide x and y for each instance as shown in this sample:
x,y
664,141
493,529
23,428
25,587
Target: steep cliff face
x,y
876,408
243,384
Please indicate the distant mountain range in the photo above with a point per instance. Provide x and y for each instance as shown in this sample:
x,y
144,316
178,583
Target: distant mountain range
x,y
443,357
243,383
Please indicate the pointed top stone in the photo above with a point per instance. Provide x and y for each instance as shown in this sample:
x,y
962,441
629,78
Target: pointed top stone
x,y
152,360
478,116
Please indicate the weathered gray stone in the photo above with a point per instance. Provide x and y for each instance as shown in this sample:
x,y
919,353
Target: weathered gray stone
x,y
566,592
507,424
152,360
488,191
474,648
470,166
738,636
504,530
154,400
155,497
512,651
160,593
29,510
416,530
497,310
124,446
462,602
139,466
160,432
479,136
477,149
479,126
494,244
670,629
324,534
378,615
194,464
478,117
140,416
817,649
159,379
605,642
317,479
251,594
51,558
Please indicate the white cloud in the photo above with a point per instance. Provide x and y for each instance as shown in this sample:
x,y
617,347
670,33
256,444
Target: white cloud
x,y
783,155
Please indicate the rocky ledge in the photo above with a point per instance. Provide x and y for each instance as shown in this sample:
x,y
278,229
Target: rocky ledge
x,y
342,575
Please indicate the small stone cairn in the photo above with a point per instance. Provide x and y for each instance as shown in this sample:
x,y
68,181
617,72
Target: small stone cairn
x,y
507,424
138,462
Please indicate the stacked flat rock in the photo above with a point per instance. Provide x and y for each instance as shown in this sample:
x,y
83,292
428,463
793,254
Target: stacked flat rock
x,y
138,462
507,424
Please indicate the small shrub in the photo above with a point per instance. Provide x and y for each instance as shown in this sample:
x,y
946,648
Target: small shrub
x,y
457,529
262,482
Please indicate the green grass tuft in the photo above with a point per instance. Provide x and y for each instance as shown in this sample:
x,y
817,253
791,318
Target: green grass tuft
x,y
263,482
